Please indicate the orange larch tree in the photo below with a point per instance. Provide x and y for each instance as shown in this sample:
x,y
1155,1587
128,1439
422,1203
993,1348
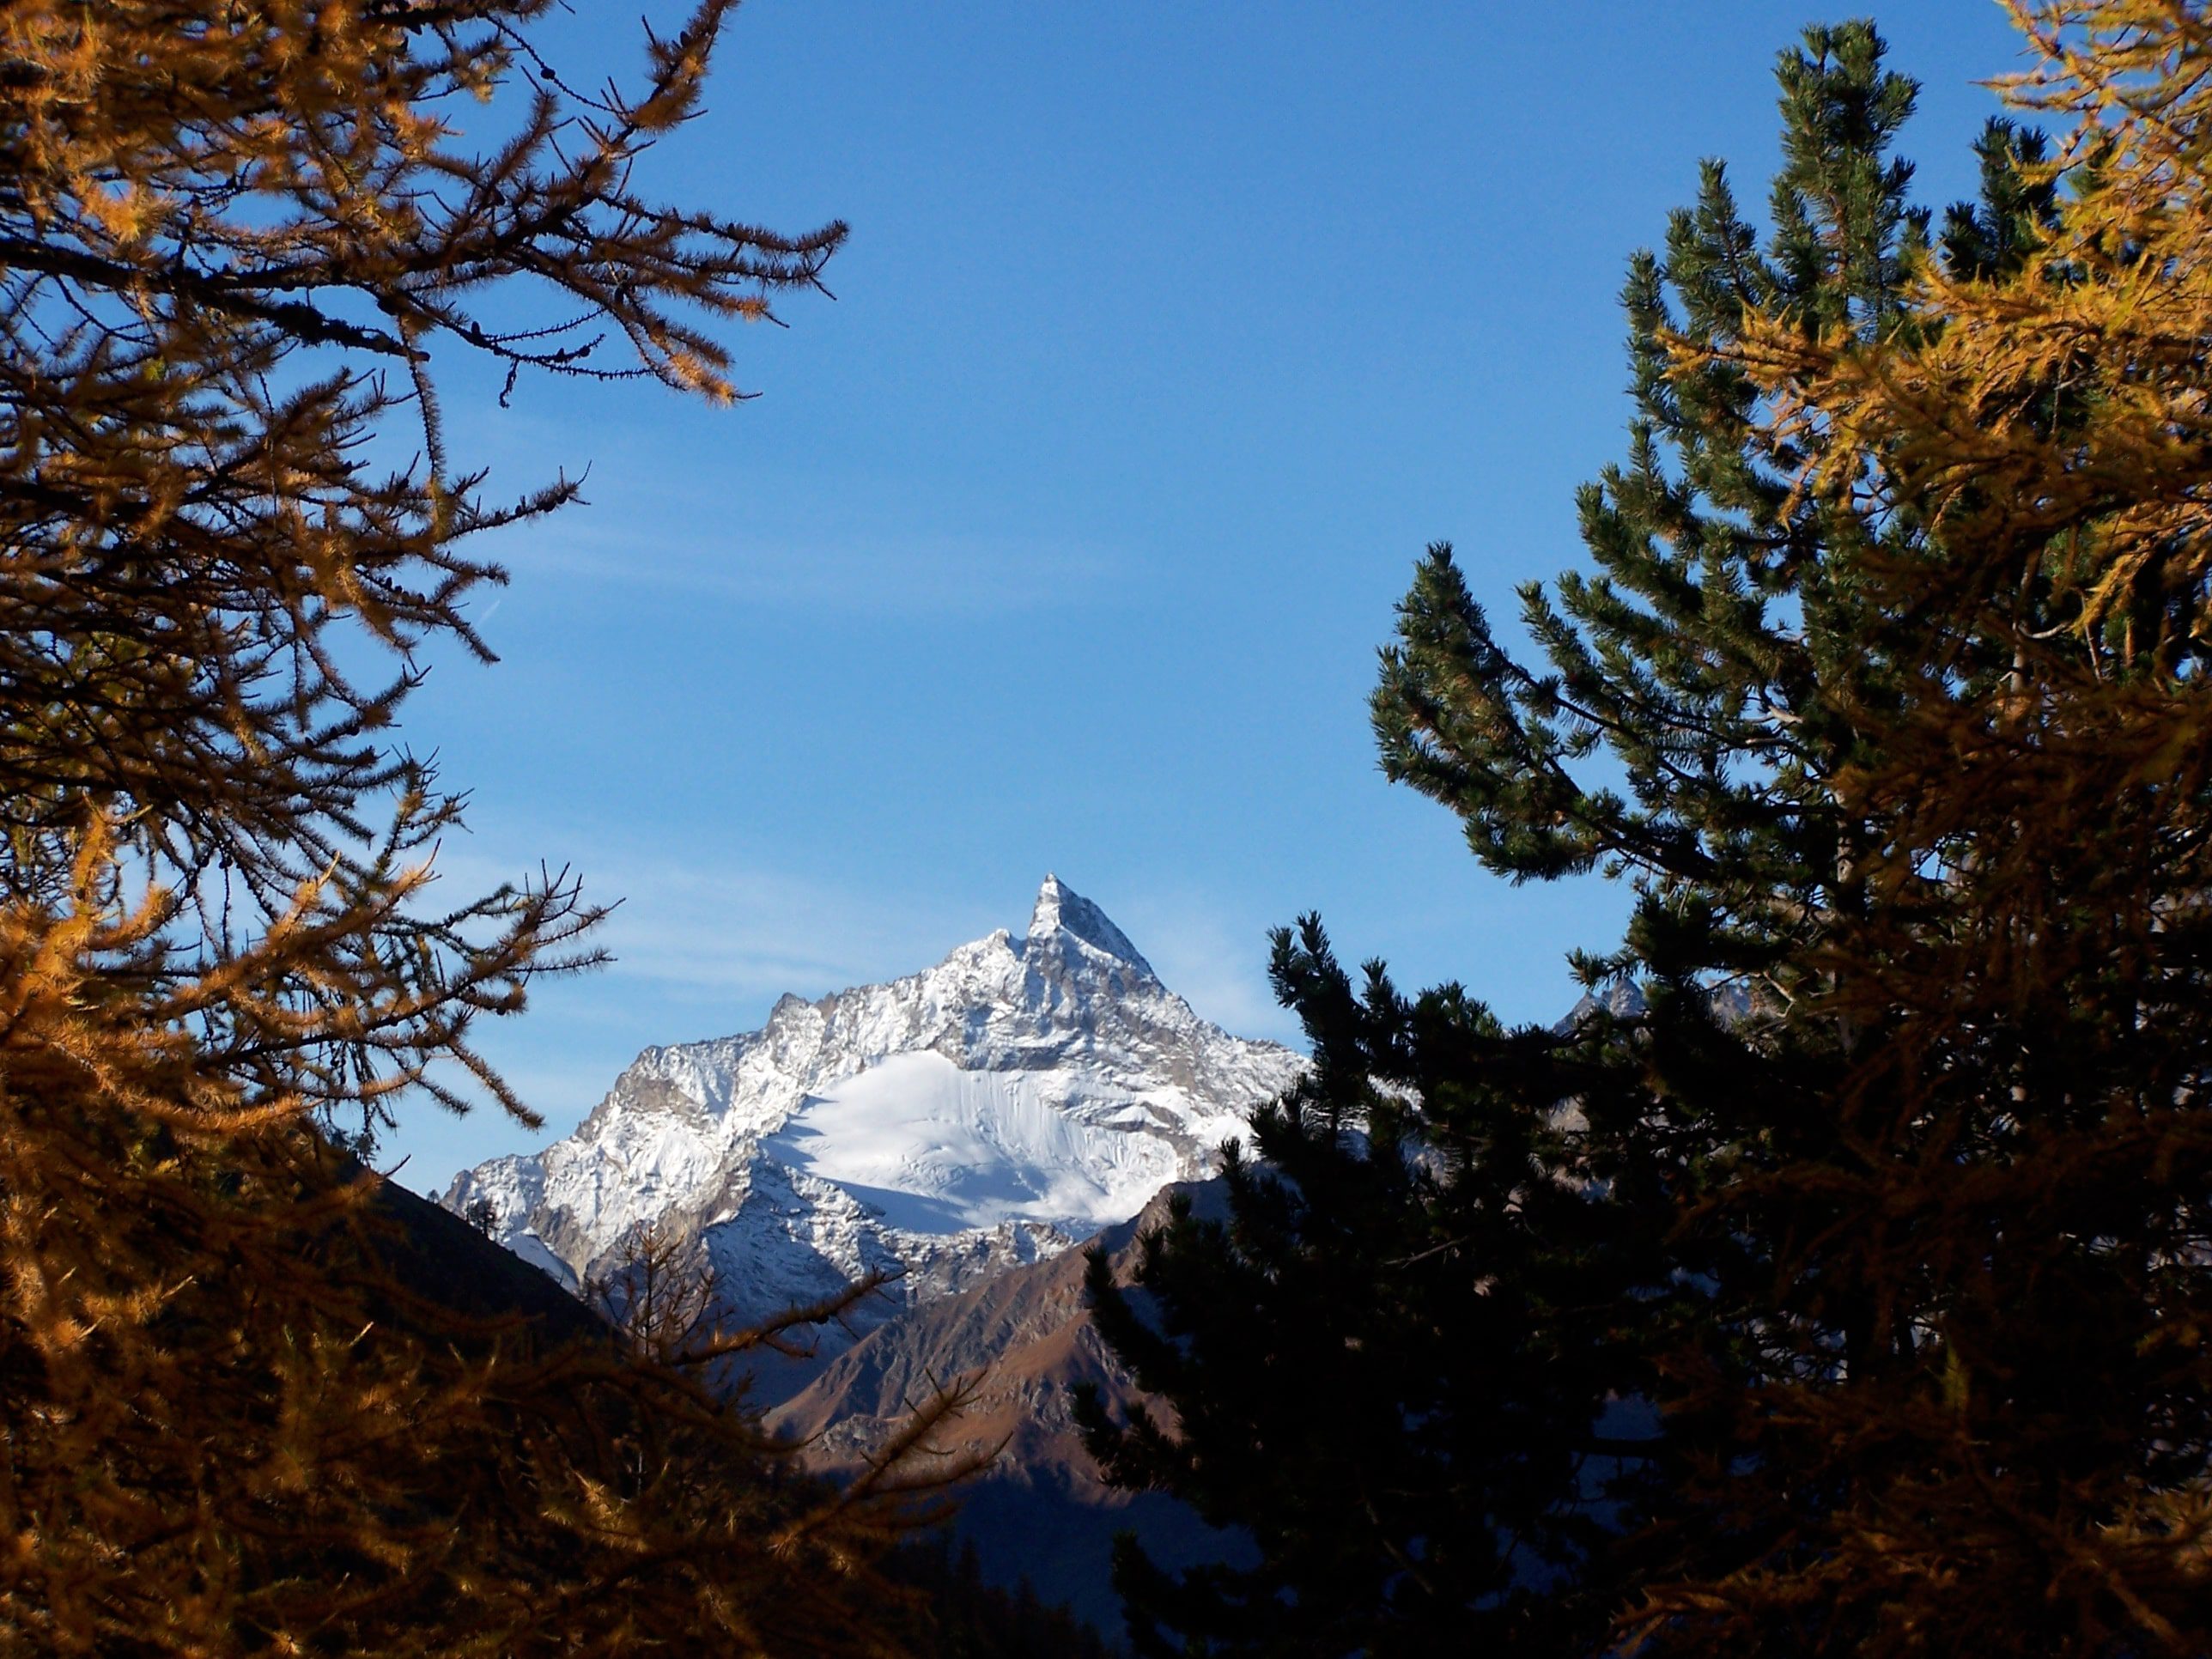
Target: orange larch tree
x,y
235,238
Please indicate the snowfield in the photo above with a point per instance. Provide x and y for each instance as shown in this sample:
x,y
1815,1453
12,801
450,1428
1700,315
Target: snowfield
x,y
938,1150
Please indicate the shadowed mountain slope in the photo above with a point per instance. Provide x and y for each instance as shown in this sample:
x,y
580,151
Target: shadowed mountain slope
x,y
1026,1339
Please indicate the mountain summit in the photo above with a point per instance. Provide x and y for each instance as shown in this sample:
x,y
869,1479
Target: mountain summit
x,y
1061,909
981,1113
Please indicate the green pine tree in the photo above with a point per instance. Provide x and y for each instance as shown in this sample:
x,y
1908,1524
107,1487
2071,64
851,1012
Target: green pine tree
x,y
1509,1334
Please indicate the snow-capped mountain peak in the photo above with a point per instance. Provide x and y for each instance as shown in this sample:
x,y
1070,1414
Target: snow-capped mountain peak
x,y
1061,910
984,1112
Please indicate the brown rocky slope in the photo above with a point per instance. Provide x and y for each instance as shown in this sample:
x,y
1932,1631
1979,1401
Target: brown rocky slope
x,y
1025,1340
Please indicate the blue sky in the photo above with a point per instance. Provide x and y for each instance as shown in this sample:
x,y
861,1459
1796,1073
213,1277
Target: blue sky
x,y
1167,338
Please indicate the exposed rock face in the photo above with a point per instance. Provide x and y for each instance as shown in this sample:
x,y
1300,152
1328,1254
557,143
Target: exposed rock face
x,y
976,1117
1023,1340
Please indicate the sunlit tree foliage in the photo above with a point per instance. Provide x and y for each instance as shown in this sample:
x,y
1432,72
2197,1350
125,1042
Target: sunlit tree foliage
x,y
236,237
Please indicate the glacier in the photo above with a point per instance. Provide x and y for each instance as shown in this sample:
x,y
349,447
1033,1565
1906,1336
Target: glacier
x,y
981,1114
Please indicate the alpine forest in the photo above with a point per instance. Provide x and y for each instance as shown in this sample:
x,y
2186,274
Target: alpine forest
x,y
1834,1279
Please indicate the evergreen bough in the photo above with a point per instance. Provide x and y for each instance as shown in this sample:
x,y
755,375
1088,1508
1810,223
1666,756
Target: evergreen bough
x,y
1832,1280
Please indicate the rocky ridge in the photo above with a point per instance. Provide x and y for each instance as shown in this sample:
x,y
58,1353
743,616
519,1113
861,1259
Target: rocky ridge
x,y
980,1115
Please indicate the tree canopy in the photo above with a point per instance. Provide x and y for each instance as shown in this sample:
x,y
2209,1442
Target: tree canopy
x,y
1830,1282
236,236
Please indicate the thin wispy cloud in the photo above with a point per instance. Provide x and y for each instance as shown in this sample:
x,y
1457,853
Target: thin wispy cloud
x,y
843,560
902,576
1218,968
716,931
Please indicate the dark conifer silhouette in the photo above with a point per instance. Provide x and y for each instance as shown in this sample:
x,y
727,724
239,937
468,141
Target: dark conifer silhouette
x,y
1838,1290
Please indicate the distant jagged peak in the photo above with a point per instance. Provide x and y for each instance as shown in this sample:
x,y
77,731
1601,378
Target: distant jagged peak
x,y
1047,1083
1061,909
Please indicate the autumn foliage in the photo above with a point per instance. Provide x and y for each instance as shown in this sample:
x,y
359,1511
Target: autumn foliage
x,y
235,240
2022,1457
